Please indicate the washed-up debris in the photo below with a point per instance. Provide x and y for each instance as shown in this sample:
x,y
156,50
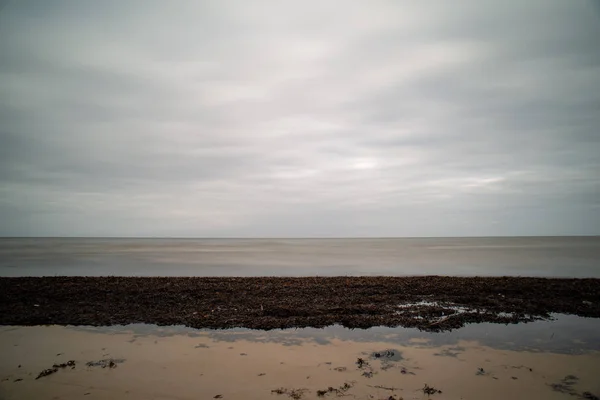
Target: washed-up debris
x,y
55,368
429,390
480,371
388,358
295,394
18,380
566,385
106,363
47,372
521,367
368,374
340,369
70,363
339,391
386,354
353,302
219,396
384,387
366,367
262,374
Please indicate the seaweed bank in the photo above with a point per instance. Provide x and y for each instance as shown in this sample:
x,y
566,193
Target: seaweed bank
x,y
430,303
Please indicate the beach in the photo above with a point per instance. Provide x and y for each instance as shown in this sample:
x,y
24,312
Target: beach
x,y
164,363
299,200
296,337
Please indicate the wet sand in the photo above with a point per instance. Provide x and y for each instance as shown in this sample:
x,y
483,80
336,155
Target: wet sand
x,y
239,365
429,303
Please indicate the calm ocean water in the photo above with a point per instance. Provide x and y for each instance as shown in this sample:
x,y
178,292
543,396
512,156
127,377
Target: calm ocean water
x,y
518,256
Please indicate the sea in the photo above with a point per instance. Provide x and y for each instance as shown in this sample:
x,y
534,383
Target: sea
x,y
482,256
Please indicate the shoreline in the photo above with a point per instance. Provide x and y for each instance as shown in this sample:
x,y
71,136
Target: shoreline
x,y
429,303
69,363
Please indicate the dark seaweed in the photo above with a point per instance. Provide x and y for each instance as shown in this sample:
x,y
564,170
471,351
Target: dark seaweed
x,y
272,303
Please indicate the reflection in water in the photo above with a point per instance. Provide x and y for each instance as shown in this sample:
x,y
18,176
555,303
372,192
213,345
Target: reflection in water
x,y
566,334
180,363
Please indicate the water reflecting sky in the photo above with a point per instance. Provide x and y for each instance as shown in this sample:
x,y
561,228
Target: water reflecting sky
x,y
564,334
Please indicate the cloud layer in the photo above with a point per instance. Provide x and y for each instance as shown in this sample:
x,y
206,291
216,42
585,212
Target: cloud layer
x,y
286,118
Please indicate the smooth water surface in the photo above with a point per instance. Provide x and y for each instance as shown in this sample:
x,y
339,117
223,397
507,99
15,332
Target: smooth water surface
x,y
514,256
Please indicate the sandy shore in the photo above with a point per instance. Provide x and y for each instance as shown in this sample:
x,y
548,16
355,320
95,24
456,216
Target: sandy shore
x,y
428,303
239,366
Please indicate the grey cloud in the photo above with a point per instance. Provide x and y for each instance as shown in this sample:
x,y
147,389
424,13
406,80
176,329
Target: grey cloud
x,y
292,119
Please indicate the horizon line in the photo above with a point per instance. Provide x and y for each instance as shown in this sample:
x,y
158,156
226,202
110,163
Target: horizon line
x,y
295,237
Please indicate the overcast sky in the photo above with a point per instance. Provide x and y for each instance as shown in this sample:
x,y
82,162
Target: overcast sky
x,y
299,118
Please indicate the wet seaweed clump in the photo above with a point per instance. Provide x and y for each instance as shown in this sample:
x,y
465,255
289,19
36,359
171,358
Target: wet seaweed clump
x,y
55,368
566,385
106,363
295,394
47,372
366,367
368,374
429,390
70,363
384,387
339,391
385,354
589,396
